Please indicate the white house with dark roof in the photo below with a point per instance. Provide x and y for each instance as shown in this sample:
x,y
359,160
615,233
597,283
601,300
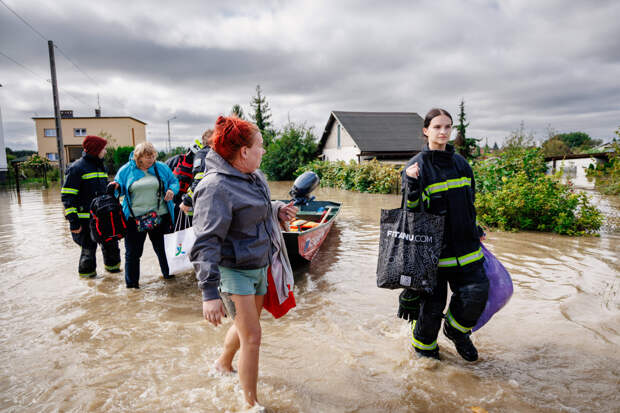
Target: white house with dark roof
x,y
359,136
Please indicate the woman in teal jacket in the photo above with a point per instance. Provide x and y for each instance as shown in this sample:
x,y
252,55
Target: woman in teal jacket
x,y
148,186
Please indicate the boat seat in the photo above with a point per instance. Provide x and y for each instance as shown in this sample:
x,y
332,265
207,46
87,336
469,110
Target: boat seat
x,y
301,225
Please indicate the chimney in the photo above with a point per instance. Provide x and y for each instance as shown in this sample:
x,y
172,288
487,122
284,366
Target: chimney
x,y
97,113
66,114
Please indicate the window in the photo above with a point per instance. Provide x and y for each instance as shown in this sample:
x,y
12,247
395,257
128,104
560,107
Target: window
x,y
49,132
338,136
52,156
79,131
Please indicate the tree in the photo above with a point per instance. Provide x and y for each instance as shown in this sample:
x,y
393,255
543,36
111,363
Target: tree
x,y
467,147
262,114
518,139
108,137
295,146
461,128
575,139
555,147
237,111
38,164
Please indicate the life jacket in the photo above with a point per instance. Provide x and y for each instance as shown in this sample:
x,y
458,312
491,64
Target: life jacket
x,y
107,223
183,171
300,225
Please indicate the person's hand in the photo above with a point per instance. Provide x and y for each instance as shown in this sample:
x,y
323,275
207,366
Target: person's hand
x,y
409,305
213,310
77,231
169,195
287,212
413,171
185,208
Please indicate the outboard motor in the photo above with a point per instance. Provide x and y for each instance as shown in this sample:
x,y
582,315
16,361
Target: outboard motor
x,y
303,186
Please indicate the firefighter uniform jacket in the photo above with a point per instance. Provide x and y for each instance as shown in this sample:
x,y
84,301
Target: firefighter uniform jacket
x,y
445,186
86,179
198,170
181,167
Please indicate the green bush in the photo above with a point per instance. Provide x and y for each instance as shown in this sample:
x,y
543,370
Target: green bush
x,y
371,176
513,193
490,173
295,145
607,175
163,156
116,157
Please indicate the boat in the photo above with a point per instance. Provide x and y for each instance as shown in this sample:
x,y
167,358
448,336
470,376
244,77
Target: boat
x,y
305,234
304,240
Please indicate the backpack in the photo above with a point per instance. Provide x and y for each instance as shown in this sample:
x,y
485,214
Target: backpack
x,y
107,221
183,171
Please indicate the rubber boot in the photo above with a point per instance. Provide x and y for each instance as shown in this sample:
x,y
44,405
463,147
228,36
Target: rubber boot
x,y
87,267
462,342
434,353
111,256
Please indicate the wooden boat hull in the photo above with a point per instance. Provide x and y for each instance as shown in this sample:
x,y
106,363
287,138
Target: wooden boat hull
x,y
303,246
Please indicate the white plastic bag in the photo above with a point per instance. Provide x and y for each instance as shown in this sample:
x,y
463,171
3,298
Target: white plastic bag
x,y
177,246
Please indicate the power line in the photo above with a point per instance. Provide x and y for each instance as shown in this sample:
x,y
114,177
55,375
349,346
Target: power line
x,y
55,45
24,67
23,20
75,64
45,80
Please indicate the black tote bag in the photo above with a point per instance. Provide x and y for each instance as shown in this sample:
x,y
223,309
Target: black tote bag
x,y
409,247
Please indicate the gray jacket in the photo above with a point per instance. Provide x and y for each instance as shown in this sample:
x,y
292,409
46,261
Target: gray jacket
x,y
232,223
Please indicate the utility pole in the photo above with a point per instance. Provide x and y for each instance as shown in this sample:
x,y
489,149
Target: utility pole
x,y
169,143
4,168
61,147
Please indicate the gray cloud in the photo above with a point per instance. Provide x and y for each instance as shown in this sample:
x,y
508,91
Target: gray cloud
x,y
545,63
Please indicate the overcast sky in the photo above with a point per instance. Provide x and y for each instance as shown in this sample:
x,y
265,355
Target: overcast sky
x,y
547,63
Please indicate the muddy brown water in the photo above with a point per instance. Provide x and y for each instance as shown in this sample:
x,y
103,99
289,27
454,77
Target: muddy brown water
x,y
72,345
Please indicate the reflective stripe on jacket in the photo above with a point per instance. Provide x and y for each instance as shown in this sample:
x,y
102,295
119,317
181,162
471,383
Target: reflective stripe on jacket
x,y
86,179
199,169
446,186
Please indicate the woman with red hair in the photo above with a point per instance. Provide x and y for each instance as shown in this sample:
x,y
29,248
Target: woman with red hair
x,y
233,248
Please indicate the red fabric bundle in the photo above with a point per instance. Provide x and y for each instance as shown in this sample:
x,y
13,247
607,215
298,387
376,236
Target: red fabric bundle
x,y
272,303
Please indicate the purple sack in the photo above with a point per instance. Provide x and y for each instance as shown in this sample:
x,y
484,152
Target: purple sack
x,y
500,287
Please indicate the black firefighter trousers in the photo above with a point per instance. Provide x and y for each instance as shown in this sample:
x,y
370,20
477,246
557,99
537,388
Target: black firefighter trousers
x,y
470,289
87,266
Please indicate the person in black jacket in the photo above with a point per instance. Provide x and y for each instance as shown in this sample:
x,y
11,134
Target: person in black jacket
x,y
189,170
441,182
86,179
198,170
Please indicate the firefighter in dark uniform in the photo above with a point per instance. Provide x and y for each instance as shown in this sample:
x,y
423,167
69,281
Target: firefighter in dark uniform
x,y
186,167
442,182
198,171
86,179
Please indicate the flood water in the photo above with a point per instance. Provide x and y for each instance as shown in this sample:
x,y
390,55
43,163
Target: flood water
x,y
75,345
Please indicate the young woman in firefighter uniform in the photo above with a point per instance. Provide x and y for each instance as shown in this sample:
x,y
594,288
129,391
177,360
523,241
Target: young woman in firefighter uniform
x,y
85,180
444,182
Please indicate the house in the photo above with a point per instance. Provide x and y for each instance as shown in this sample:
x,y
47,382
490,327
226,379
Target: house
x,y
119,130
605,147
386,136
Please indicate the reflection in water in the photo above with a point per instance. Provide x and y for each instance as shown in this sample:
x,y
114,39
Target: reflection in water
x,y
76,345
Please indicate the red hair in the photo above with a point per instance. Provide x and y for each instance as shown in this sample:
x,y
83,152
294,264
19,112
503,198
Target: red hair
x,y
231,134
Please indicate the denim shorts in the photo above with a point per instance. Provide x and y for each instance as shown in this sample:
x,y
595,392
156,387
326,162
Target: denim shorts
x,y
243,282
